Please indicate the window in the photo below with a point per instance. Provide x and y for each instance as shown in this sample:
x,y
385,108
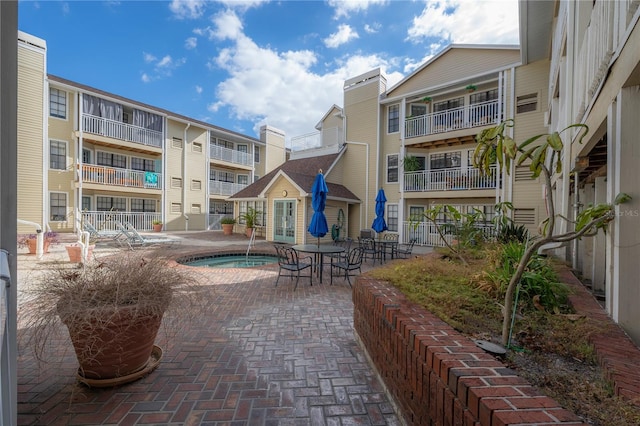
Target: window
x,y
196,147
256,178
58,206
445,160
143,205
86,156
256,154
243,148
111,160
392,168
416,213
143,164
196,185
451,114
105,204
221,207
86,203
418,109
478,97
176,208
260,206
392,217
176,182
57,155
394,119
57,103
243,179
527,103
221,142
176,143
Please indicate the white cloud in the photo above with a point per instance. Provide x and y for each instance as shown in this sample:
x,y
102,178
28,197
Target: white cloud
x,y
242,5
148,57
372,28
191,43
228,25
467,22
347,7
198,89
344,34
163,67
165,62
187,9
145,78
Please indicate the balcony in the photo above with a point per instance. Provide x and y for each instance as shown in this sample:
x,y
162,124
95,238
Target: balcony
x,y
122,131
426,233
217,187
449,180
114,176
476,115
315,140
230,155
111,220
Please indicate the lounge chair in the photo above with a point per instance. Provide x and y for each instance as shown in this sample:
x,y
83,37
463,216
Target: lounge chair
x,y
110,234
132,238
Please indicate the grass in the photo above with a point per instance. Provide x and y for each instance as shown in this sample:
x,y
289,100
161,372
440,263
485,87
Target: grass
x,y
553,352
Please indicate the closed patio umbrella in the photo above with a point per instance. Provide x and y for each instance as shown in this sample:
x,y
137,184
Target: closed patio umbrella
x,y
379,225
318,226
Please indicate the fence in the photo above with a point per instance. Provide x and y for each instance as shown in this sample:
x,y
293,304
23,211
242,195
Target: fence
x,y
142,221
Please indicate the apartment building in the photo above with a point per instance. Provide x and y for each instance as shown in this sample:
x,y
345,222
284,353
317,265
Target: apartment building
x,y
594,78
85,154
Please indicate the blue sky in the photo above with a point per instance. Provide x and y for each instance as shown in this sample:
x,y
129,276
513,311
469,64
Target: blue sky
x,y
239,64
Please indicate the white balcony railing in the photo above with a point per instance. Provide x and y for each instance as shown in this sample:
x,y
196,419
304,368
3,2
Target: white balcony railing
x,y
217,187
108,221
230,155
114,176
123,131
426,233
449,180
323,138
480,114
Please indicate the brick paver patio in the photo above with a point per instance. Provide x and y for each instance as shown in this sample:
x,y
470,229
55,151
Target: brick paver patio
x,y
259,355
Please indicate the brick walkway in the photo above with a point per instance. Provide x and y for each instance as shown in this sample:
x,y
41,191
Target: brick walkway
x,y
261,355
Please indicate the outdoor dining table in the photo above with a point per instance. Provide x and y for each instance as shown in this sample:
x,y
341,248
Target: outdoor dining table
x,y
319,251
384,244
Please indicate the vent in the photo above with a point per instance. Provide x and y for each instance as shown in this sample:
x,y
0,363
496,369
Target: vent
x,y
176,182
196,208
197,147
176,143
527,103
196,185
524,216
522,173
176,208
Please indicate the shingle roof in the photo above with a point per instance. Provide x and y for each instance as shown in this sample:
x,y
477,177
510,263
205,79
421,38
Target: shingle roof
x,y
302,172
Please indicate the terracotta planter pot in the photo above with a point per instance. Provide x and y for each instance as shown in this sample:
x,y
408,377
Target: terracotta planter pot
x,y
157,227
227,228
117,347
249,231
33,243
75,253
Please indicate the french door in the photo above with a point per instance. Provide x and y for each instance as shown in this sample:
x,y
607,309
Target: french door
x,y
284,222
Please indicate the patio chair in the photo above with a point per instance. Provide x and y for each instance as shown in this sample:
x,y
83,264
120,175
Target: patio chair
x,y
404,250
290,264
390,245
371,249
350,264
100,234
346,244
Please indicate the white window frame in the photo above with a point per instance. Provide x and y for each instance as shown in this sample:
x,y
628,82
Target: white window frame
x,y
256,154
397,167
66,206
66,103
395,107
393,206
66,153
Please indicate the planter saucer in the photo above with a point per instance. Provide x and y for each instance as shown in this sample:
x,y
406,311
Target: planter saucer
x,y
154,361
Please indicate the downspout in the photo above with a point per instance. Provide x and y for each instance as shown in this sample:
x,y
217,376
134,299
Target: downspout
x,y
184,179
46,149
512,111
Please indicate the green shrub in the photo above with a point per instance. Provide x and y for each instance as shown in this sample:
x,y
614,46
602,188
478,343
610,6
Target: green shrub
x,y
512,232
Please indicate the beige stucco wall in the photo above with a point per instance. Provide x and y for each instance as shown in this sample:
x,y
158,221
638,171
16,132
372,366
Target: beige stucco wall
x,y
31,134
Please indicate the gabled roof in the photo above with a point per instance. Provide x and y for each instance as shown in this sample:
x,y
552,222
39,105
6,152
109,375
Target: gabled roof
x,y
326,114
302,173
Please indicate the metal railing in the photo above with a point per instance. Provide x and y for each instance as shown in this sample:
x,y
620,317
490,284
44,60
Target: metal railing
x,y
123,131
325,137
217,187
426,233
230,155
107,221
7,406
121,177
480,114
449,180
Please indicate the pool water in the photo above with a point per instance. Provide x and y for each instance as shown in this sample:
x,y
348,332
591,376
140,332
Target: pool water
x,y
234,261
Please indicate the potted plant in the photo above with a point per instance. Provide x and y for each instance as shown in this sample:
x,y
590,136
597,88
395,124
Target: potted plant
x,y
30,241
112,311
426,99
470,88
74,251
157,225
227,223
249,218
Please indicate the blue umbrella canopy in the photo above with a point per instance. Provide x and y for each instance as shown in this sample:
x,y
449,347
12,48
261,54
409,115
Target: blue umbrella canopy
x,y
318,226
379,224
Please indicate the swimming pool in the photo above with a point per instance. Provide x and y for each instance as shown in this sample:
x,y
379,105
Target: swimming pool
x,y
233,260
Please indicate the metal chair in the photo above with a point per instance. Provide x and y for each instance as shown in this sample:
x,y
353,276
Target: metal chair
x,y
404,250
371,249
391,245
349,264
290,264
346,244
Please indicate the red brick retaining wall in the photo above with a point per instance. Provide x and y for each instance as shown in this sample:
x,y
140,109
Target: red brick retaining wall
x,y
436,375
